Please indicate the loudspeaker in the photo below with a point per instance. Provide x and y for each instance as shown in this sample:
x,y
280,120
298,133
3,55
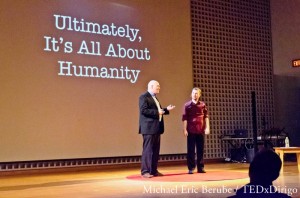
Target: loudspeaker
x,y
237,154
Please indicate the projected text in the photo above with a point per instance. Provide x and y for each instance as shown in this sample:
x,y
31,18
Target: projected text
x,y
96,48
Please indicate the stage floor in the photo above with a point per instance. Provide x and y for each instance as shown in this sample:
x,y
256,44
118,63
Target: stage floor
x,y
114,183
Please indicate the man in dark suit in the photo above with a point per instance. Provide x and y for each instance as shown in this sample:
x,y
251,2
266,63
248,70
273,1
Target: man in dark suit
x,y
151,126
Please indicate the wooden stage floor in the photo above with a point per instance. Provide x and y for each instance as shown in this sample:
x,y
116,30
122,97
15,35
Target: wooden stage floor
x,y
112,183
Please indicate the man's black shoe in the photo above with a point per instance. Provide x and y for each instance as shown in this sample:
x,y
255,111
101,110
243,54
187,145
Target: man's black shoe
x,y
157,174
201,171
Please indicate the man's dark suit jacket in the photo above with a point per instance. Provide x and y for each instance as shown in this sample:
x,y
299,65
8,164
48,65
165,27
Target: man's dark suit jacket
x,y
149,118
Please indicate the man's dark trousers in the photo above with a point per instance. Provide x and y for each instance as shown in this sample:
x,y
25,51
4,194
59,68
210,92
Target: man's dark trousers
x,y
150,156
195,140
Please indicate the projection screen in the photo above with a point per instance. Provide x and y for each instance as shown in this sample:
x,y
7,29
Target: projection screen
x,y
72,72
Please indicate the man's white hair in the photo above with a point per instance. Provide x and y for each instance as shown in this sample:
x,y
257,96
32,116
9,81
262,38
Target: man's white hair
x,y
152,82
